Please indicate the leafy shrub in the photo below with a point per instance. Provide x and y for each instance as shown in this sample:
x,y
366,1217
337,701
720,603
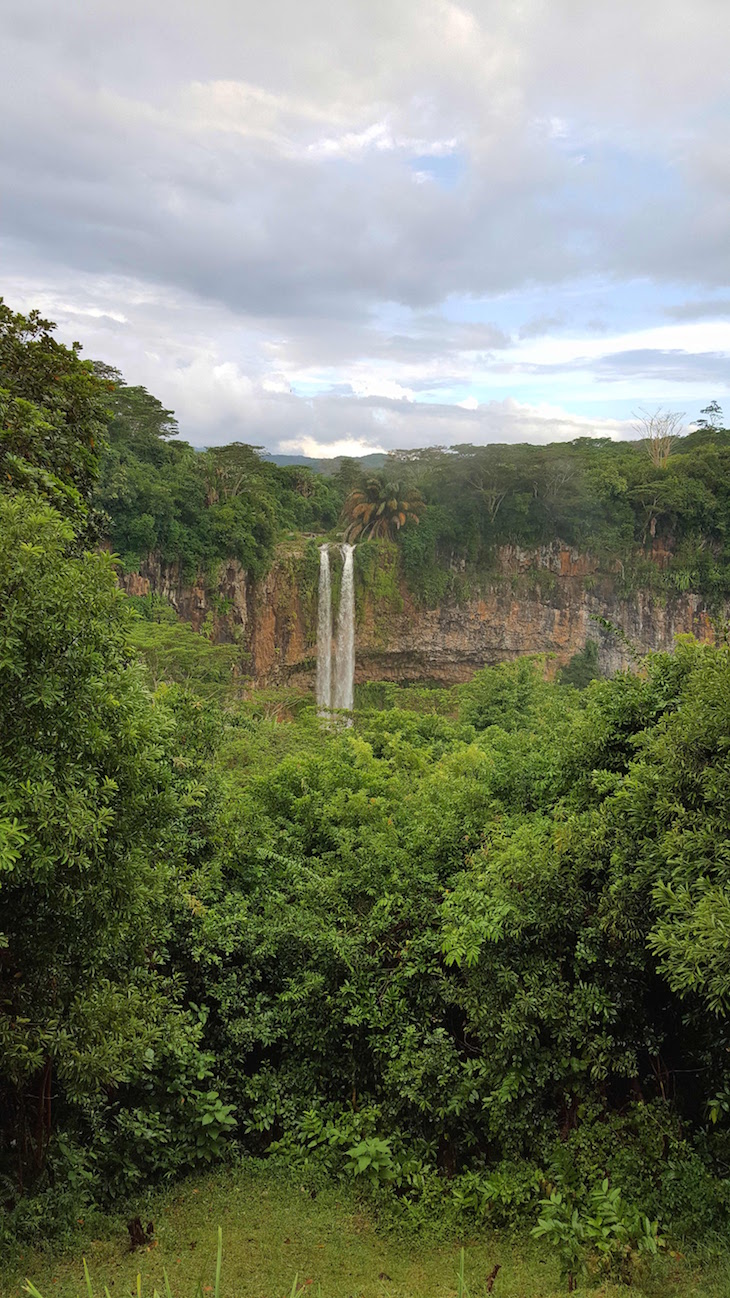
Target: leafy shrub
x,y
606,1230
373,1159
456,929
582,668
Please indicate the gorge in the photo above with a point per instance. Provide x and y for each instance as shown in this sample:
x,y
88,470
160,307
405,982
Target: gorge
x,y
550,600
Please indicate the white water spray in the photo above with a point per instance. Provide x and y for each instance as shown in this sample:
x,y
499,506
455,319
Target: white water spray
x,y
344,693
324,633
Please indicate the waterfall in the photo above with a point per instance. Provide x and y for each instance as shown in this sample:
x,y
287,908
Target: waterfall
x,y
324,632
340,691
345,646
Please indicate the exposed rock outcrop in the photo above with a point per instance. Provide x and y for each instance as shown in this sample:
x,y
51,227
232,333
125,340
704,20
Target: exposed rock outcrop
x,y
545,600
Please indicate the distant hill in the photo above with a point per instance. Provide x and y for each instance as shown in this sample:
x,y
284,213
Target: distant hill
x,y
327,466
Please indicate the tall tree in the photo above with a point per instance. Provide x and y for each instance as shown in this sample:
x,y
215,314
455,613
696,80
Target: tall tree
x,y
659,431
710,416
380,508
139,422
84,796
53,414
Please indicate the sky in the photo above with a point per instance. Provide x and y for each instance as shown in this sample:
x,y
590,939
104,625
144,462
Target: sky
x,y
342,226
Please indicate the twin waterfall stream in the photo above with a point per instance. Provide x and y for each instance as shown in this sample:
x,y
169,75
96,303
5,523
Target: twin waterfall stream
x,y
336,674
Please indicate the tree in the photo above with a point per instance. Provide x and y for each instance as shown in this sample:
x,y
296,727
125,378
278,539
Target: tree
x,y
349,474
710,416
85,793
53,415
582,668
172,651
380,508
659,431
139,421
230,469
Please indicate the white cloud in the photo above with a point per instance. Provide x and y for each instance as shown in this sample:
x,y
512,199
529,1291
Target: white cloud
x,y
693,336
230,202
379,136
378,385
327,450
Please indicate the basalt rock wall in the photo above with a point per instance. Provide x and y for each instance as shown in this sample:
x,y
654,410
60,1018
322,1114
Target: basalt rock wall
x,y
546,600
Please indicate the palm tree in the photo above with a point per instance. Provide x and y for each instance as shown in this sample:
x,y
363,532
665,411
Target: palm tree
x,y
379,508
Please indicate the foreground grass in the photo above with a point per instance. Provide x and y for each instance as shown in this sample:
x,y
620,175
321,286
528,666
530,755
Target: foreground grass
x,y
274,1230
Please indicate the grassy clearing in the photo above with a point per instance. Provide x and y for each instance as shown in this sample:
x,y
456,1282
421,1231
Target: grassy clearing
x,y
272,1231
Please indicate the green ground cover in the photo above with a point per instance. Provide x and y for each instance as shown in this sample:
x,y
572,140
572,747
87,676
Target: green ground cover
x,y
274,1230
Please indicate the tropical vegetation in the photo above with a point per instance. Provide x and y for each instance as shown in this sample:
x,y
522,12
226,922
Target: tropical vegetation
x,y
379,509
77,433
467,957
449,510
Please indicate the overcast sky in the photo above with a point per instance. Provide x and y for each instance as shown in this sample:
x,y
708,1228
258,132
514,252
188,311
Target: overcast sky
x,y
349,225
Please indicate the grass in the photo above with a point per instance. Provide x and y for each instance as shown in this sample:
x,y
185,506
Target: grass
x,y
273,1231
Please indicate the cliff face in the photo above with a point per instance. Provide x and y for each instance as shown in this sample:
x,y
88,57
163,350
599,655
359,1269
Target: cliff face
x,y
544,600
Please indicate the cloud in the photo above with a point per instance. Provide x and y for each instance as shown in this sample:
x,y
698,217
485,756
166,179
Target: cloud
x,y
378,424
540,325
225,201
211,186
671,367
709,309
327,450
708,368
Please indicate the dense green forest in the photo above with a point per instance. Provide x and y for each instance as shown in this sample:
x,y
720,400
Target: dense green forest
x,y
195,508
152,492
616,499
471,953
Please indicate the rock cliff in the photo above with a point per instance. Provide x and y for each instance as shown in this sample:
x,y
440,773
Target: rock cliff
x,y
546,600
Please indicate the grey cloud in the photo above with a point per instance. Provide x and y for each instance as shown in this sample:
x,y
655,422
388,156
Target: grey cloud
x,y
112,171
421,340
265,233
710,309
540,325
671,366
286,421
482,55
242,173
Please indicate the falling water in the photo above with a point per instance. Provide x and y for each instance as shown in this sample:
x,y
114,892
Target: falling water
x,y
324,632
345,646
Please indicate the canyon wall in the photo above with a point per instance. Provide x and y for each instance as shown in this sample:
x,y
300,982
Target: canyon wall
x,y
545,600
